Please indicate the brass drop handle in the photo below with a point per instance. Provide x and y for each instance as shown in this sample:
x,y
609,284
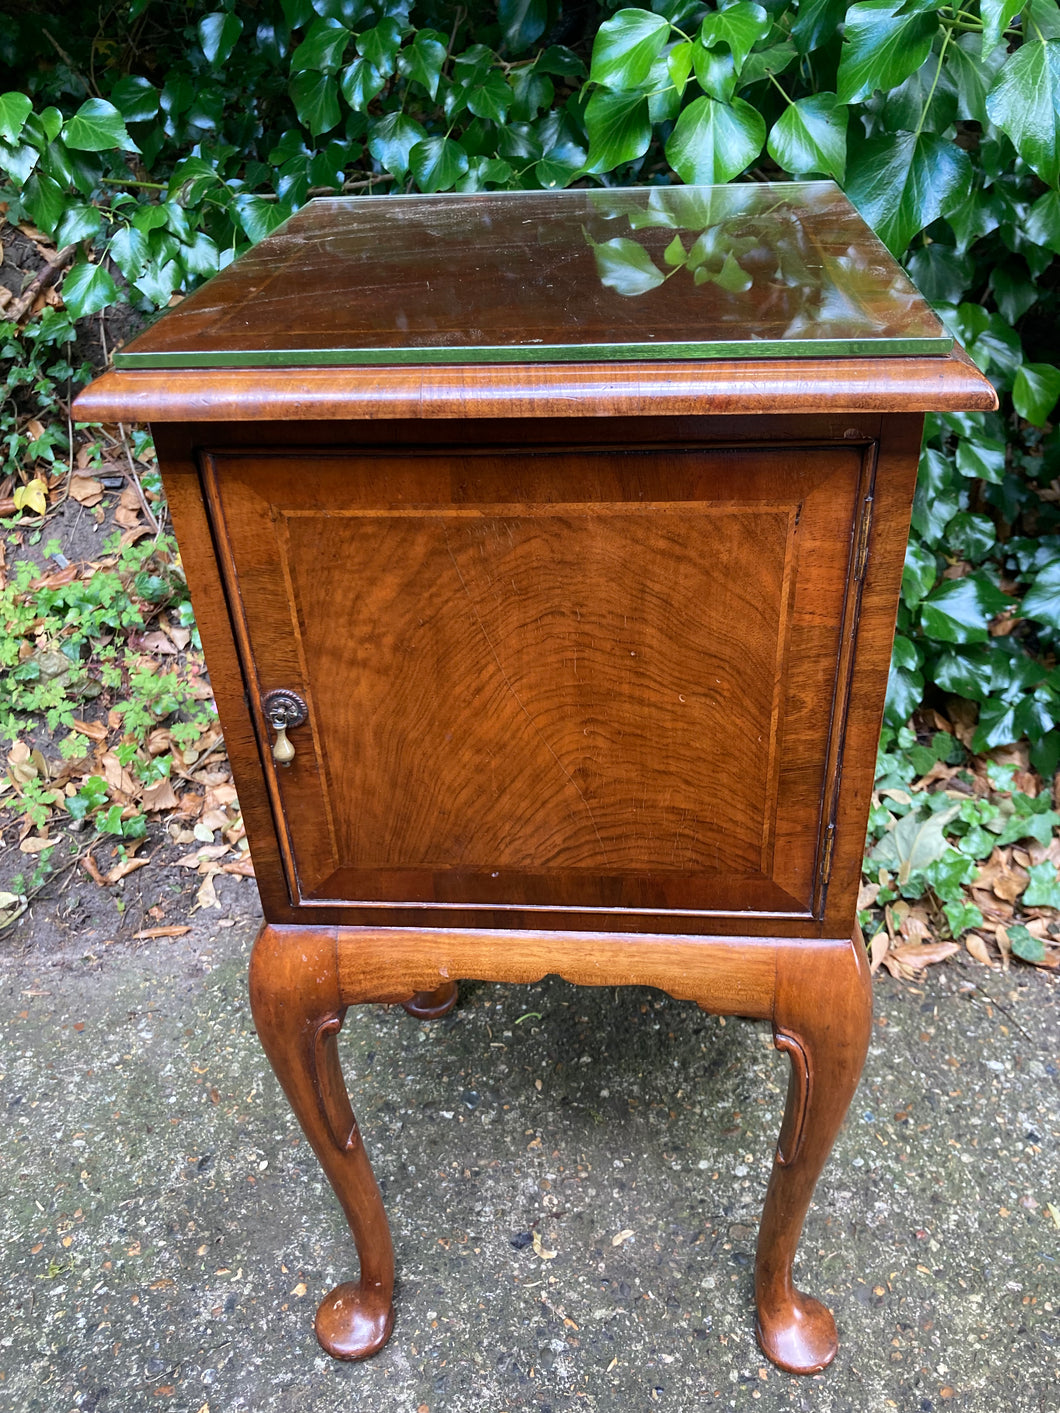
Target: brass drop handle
x,y
284,710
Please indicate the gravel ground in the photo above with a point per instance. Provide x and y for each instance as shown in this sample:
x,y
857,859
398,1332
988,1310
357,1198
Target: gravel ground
x,y
167,1232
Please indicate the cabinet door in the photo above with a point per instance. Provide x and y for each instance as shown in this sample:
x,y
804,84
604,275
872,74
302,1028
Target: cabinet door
x,y
587,687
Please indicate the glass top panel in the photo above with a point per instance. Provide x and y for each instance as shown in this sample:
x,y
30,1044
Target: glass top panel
x,y
784,270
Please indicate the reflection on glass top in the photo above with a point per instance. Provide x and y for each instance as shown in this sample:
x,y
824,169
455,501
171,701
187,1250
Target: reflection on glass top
x,y
746,271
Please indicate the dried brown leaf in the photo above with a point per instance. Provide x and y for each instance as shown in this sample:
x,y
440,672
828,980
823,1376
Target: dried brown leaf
x,y
86,490
159,796
926,955
94,730
979,950
123,869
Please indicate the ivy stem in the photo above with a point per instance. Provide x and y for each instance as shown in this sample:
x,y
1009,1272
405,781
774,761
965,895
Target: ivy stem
x,y
780,87
934,84
139,186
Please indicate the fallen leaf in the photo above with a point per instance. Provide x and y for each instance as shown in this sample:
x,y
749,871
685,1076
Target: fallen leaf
x,y
37,844
149,933
923,956
300,1289
243,867
206,897
12,906
94,730
88,863
159,796
86,490
979,950
539,1249
878,948
122,870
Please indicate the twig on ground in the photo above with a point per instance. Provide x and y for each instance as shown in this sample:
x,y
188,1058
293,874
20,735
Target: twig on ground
x,y
42,280
148,512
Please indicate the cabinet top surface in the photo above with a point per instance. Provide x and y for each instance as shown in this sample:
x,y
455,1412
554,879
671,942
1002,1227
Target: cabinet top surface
x,y
750,271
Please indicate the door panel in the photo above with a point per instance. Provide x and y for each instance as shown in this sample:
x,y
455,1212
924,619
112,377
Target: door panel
x,y
568,680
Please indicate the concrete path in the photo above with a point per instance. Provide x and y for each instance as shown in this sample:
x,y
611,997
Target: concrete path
x,y
166,1233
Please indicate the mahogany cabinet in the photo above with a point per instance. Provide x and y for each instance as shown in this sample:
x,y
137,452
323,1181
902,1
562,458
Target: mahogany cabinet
x,y
546,550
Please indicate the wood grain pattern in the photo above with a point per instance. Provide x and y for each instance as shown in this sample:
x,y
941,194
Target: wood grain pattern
x,y
551,681
765,386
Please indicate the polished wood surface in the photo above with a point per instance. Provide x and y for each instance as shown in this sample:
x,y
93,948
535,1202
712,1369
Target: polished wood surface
x,y
817,998
601,390
593,657
567,613
787,269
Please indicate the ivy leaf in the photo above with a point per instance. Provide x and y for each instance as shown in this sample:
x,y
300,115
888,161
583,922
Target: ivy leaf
x,y
983,458
392,139
19,161
437,163
1043,221
380,45
359,83
973,537
137,100
905,682
158,282
740,26
45,201
97,126
619,129
523,22
625,48
816,23
128,250
422,61
1025,104
715,72
560,165
87,289
714,142
257,216
490,99
218,34
323,47
902,183
997,15
15,108
1035,391
78,223
1042,600
315,97
915,842
1043,891
881,47
960,610
811,136
626,267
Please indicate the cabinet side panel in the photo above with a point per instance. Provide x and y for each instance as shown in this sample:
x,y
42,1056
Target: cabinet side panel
x,y
895,481
187,509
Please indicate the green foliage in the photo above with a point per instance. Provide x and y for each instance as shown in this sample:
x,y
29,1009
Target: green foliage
x,y
165,145
62,646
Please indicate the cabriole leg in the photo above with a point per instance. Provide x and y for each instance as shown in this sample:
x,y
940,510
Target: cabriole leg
x,y
822,1018
295,998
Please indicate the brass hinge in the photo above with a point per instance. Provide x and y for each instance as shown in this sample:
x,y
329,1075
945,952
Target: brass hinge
x,y
826,862
861,554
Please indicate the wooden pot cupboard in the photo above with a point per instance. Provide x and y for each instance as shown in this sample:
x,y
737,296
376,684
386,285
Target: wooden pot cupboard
x,y
546,550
